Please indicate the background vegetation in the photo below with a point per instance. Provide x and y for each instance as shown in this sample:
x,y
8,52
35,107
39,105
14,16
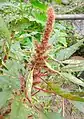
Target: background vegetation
x,y
22,22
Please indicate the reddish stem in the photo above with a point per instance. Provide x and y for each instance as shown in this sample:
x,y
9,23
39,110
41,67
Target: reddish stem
x,y
35,93
26,95
47,91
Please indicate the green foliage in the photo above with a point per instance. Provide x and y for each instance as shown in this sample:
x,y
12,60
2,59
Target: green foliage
x,y
26,22
58,1
11,74
16,51
19,111
66,94
67,52
72,78
50,1
4,32
5,95
52,115
60,35
39,5
72,68
79,105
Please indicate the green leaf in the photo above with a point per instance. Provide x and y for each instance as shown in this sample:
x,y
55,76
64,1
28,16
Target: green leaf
x,y
73,61
74,67
26,43
4,32
9,81
39,5
79,93
4,96
50,68
40,18
16,51
60,27
3,1
58,37
72,78
62,40
18,110
67,52
51,115
29,83
65,94
58,1
53,39
79,105
11,73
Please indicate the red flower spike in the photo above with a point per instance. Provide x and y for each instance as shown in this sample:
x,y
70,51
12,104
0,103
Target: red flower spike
x,y
49,26
38,63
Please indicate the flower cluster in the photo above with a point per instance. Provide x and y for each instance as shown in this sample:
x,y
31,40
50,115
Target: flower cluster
x,y
38,63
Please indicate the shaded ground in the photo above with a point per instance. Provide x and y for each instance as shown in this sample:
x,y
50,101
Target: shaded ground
x,y
69,111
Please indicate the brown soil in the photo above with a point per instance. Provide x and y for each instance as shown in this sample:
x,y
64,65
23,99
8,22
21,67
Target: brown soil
x,y
68,110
